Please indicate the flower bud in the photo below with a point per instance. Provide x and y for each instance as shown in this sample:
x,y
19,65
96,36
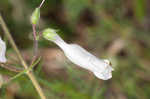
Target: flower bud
x,y
35,16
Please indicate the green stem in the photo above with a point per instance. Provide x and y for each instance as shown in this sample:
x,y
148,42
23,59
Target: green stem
x,y
24,71
30,74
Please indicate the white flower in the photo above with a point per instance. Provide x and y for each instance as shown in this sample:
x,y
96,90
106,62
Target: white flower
x,y
2,51
81,57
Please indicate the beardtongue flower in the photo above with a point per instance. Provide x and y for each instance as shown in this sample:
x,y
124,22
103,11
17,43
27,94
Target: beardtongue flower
x,y
79,56
2,51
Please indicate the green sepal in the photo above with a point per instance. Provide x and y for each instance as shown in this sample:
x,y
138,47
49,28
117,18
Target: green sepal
x,y
49,34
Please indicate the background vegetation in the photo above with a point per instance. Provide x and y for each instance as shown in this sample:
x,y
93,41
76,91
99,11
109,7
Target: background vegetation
x,y
114,29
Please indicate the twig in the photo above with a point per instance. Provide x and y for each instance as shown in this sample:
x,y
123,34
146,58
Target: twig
x,y
41,3
22,72
26,70
35,38
35,43
30,74
10,68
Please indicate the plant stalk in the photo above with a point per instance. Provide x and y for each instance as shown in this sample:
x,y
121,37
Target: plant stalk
x,y
35,43
30,74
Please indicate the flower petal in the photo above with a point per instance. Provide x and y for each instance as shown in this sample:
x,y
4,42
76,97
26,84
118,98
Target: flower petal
x,y
2,51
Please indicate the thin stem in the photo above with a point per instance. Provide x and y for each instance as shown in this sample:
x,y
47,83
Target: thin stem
x,y
10,68
35,41
41,3
40,34
35,38
26,70
30,74
22,72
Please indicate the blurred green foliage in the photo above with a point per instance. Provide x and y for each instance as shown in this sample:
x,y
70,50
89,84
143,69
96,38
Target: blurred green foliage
x,y
109,28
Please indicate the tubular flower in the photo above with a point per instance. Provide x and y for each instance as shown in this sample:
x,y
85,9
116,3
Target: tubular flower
x,y
2,51
79,56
